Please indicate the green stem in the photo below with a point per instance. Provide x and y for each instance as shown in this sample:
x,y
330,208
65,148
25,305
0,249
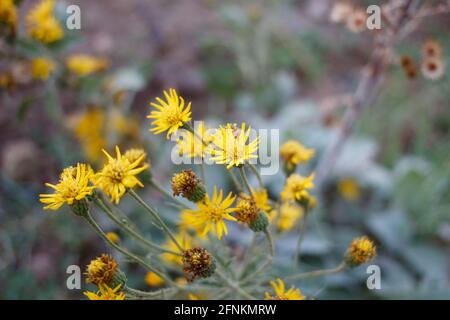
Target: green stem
x,y
318,273
125,252
234,285
203,174
160,188
269,241
138,294
258,176
301,237
235,181
156,216
129,230
245,180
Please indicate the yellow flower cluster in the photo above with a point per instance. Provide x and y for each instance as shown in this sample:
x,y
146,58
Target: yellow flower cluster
x,y
8,14
294,153
281,293
42,67
296,188
84,65
42,24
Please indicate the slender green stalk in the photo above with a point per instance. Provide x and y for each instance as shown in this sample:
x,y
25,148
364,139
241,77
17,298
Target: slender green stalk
x,y
125,252
148,244
256,272
161,189
234,285
203,174
301,237
269,241
235,181
245,180
138,294
256,173
318,273
156,216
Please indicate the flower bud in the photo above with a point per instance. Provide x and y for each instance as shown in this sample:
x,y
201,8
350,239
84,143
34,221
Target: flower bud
x,y
198,263
188,185
103,270
360,251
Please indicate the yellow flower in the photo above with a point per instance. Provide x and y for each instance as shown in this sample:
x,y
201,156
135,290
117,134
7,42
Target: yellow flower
x,y
153,280
42,67
194,145
184,239
230,147
211,213
360,251
101,270
349,189
282,294
8,14
261,198
289,215
294,153
114,237
106,293
296,187
134,154
192,296
72,187
84,65
42,24
118,175
170,115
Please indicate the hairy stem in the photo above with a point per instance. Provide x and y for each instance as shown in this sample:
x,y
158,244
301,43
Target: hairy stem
x,y
318,273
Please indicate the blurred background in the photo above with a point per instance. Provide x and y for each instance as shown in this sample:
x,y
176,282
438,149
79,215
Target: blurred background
x,y
273,64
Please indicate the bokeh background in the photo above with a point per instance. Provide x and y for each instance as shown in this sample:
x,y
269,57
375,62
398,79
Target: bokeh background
x,y
274,64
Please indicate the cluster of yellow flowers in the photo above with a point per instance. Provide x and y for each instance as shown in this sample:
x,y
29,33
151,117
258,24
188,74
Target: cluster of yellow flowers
x,y
42,24
229,146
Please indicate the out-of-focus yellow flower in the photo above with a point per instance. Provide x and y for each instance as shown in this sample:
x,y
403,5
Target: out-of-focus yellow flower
x,y
349,189
42,67
106,293
42,25
118,175
184,239
170,115
194,145
192,296
153,280
121,124
8,14
296,188
73,186
181,281
294,153
261,198
114,237
282,294
360,251
231,146
6,80
289,215
134,154
211,213
84,65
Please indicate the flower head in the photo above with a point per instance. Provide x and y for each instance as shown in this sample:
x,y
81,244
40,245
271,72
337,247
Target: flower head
x,y
193,145
198,263
136,154
170,115
188,185
73,186
294,153
101,270
153,280
296,188
8,14
119,174
349,189
289,215
360,251
211,213
261,198
231,146
42,24
113,237
246,209
84,65
42,67
282,294
106,293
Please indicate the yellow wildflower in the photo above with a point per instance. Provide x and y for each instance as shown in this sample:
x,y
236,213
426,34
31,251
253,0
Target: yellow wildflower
x,y
294,153
134,154
194,145
8,14
211,213
153,280
84,65
289,215
296,187
349,189
360,251
42,67
170,115
118,175
101,270
42,25
282,294
114,237
261,198
106,293
230,147
72,187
